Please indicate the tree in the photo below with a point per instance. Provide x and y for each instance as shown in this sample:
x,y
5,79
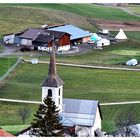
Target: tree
x,y
47,120
24,113
125,121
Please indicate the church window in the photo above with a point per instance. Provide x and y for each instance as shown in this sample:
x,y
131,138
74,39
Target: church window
x,y
59,91
50,93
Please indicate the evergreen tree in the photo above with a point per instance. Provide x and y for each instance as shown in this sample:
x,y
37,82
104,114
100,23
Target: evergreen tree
x,y
47,121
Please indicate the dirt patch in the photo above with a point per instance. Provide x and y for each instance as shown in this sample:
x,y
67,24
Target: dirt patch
x,y
116,25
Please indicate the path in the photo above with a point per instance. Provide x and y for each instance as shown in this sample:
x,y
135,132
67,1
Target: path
x,y
87,66
128,11
37,102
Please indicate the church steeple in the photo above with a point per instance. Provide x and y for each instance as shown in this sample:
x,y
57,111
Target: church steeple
x,y
53,86
53,80
52,66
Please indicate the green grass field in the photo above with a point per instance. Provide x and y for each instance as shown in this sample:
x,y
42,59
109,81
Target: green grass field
x,y
88,10
134,8
24,83
5,64
13,123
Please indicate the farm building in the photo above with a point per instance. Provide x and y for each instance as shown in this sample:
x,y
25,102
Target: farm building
x,y
12,38
29,35
77,35
47,38
103,42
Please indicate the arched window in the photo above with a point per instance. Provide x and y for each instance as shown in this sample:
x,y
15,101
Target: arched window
x,y
59,91
50,93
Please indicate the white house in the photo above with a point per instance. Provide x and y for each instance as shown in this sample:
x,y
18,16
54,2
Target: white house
x,y
103,42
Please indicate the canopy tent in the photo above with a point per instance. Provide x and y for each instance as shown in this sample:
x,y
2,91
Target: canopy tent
x,y
121,35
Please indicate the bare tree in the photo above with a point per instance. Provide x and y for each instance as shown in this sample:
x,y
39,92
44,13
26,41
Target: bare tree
x,y
24,113
124,122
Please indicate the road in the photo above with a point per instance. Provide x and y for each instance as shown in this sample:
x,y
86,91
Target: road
x,y
87,66
37,102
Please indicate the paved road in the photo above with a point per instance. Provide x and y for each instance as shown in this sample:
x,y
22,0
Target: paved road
x,y
37,102
88,66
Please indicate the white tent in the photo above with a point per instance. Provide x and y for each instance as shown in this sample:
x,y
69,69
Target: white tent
x,y
103,42
132,62
121,35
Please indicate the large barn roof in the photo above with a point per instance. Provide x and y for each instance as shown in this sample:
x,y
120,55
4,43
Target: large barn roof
x,y
81,112
31,33
74,31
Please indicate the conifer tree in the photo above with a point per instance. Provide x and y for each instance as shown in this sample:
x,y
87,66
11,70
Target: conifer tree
x,y
47,120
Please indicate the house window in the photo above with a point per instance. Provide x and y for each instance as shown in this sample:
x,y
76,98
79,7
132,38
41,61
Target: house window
x,y
59,91
50,93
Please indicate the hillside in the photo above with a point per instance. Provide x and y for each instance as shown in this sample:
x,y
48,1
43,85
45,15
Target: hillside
x,y
16,17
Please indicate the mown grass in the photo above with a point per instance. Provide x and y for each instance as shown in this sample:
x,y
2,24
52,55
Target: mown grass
x,y
1,49
110,114
14,129
103,85
88,10
15,19
13,123
5,64
134,8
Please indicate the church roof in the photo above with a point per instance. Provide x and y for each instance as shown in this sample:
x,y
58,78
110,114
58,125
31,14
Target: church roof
x,y
5,134
81,112
53,80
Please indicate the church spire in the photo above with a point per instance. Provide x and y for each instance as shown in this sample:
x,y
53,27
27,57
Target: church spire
x,y
52,65
53,79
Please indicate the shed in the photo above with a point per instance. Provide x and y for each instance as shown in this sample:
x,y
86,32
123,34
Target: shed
x,y
12,38
103,42
34,60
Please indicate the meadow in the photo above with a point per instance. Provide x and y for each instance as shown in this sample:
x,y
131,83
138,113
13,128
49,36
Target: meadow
x,y
103,85
88,10
24,83
5,64
13,123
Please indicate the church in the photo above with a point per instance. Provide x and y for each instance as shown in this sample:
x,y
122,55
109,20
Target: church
x,y
81,117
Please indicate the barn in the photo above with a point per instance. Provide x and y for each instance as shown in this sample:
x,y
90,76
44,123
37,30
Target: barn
x,y
29,35
77,35
47,38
